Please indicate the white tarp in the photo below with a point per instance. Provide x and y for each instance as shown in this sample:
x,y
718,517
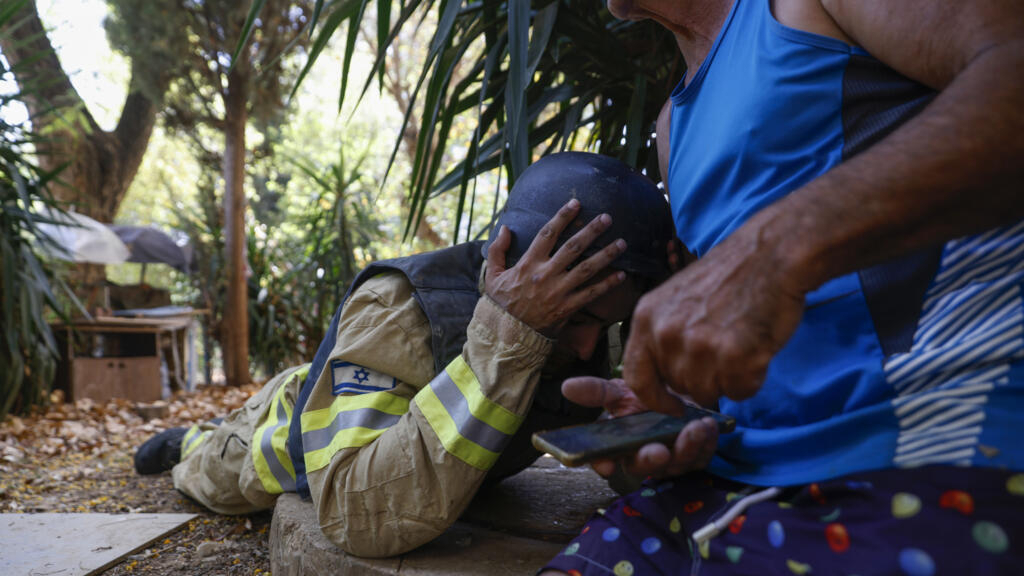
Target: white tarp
x,y
82,239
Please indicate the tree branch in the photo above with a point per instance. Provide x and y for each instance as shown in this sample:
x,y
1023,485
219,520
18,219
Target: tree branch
x,y
38,71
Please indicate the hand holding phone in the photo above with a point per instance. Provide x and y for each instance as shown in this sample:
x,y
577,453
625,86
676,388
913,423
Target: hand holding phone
x,y
617,437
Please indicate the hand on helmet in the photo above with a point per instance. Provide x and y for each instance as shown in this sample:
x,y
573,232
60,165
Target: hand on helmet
x,y
541,289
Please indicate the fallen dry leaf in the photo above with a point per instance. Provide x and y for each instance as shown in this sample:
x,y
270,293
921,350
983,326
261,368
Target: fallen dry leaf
x,y
77,457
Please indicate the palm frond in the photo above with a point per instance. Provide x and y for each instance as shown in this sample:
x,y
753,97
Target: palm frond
x,y
544,76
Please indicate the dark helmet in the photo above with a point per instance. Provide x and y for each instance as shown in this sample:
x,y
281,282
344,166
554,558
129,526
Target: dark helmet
x,y
640,214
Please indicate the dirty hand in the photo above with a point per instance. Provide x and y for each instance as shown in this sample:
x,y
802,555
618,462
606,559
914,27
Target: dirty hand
x,y
711,329
693,447
678,255
540,289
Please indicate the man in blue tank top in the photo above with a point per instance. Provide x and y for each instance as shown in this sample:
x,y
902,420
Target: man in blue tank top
x,y
848,176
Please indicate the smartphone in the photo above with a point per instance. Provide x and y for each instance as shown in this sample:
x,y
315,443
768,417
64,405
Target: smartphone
x,y
577,445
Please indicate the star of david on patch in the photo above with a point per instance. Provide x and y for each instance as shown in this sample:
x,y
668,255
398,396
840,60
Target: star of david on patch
x,y
350,378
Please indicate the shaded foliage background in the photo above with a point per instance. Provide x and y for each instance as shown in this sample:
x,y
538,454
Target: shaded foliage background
x,y
294,280
226,93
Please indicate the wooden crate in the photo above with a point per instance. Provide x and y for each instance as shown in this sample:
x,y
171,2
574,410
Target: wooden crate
x,y
133,378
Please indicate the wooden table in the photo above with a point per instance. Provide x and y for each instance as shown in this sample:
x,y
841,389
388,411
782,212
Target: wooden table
x,y
115,357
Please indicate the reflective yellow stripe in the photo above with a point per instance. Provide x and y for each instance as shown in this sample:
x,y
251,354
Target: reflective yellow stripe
x,y
469,425
481,406
349,422
270,444
193,438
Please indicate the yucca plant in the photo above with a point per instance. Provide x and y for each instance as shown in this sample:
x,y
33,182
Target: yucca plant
x,y
28,351
539,76
340,219
297,281
274,317
203,223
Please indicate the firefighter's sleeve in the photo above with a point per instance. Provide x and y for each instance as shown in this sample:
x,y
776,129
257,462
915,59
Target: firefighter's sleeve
x,y
391,469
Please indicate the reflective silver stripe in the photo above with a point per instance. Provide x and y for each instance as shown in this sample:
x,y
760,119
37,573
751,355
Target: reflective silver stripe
x,y
192,439
267,447
360,418
470,427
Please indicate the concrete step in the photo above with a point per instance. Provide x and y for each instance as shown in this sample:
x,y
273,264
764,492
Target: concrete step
x,y
511,528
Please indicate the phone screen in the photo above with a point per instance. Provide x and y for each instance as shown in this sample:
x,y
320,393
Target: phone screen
x,y
575,445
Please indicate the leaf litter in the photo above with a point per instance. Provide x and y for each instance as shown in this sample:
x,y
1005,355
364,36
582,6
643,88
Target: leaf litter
x,y
77,457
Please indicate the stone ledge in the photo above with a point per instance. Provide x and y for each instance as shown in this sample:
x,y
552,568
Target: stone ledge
x,y
512,528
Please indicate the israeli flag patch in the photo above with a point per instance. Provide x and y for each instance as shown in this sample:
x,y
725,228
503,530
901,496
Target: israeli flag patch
x,y
347,377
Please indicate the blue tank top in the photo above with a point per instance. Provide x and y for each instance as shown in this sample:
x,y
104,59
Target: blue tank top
x,y
916,361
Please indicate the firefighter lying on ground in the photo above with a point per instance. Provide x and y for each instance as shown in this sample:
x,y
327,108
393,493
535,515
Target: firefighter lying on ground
x,y
438,367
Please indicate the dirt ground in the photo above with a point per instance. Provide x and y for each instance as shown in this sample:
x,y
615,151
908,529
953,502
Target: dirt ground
x,y
77,457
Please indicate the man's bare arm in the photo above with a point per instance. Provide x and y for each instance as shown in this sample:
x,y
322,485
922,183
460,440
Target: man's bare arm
x,y
956,168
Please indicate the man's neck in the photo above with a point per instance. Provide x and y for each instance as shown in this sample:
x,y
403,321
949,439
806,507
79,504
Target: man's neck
x,y
695,28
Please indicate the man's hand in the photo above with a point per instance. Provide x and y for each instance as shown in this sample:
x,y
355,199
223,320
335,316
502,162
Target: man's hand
x,y
678,255
692,449
540,289
711,329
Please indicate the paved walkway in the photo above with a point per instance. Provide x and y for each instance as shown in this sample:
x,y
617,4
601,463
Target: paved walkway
x,y
509,529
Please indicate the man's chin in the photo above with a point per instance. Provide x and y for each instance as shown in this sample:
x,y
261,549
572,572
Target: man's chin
x,y
621,9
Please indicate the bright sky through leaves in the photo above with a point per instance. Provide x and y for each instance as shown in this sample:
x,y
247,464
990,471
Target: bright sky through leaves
x,y
99,74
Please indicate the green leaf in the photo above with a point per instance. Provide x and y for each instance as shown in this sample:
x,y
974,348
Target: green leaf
x,y
636,120
350,48
515,87
346,10
380,58
7,11
15,375
250,19
383,27
426,168
316,16
543,24
9,290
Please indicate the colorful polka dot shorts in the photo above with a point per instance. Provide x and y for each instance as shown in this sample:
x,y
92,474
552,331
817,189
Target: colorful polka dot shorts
x,y
926,521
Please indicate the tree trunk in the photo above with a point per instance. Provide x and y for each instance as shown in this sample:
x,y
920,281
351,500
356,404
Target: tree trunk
x,y
235,348
98,166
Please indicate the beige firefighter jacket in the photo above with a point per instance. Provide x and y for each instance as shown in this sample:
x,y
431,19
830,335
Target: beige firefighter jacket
x,y
392,468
